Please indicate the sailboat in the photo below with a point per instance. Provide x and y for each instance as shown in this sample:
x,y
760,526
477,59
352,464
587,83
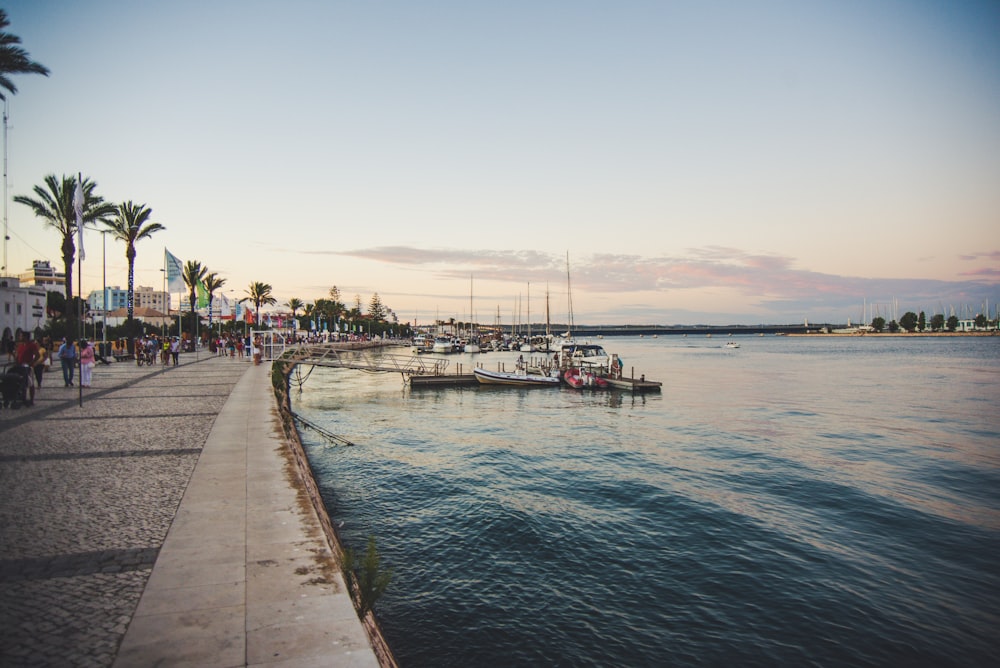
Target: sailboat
x,y
471,344
578,355
526,347
569,303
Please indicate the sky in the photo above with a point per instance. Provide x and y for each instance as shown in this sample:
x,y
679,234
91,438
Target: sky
x,y
717,162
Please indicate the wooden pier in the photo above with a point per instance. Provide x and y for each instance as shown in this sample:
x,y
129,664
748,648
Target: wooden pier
x,y
451,380
419,371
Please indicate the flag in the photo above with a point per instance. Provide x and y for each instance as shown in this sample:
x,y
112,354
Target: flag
x,y
175,273
249,317
78,210
202,295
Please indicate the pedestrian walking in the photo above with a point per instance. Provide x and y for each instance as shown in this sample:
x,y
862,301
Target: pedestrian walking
x,y
86,362
67,357
42,363
175,350
25,356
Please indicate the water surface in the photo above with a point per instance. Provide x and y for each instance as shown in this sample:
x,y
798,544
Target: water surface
x,y
833,501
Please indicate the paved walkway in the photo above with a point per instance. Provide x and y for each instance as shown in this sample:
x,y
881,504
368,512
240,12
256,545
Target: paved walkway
x,y
160,524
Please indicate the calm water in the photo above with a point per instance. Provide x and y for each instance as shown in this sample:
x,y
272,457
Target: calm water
x,y
797,501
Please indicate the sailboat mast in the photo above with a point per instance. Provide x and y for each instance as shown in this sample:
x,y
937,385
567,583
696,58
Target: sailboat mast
x,y
548,326
529,311
569,298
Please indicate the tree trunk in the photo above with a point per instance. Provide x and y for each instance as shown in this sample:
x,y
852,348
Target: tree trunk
x,y
69,254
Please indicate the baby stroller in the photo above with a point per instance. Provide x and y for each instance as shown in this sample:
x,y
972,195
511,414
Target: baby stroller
x,y
14,387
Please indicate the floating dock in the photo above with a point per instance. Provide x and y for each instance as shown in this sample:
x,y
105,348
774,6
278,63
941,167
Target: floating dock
x,y
636,385
450,380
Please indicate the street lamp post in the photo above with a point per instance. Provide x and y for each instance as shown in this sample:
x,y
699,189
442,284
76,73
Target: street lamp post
x,y
166,306
104,278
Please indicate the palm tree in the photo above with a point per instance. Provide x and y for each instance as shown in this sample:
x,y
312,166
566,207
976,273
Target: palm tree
x,y
212,283
130,224
54,206
13,58
193,274
295,304
260,294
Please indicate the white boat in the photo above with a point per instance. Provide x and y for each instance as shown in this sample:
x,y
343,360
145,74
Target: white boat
x,y
471,346
422,343
732,344
583,355
517,378
443,345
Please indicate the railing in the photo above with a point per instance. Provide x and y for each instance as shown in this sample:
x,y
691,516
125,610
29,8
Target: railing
x,y
364,360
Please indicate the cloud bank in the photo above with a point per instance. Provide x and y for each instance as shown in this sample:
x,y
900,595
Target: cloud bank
x,y
644,288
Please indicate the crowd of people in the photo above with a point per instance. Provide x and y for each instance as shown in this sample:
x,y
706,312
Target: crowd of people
x,y
28,359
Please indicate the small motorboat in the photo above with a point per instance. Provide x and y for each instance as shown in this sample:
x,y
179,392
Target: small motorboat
x,y
583,379
517,378
732,344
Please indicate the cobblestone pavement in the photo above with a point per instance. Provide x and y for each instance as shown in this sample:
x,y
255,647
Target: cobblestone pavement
x,y
87,495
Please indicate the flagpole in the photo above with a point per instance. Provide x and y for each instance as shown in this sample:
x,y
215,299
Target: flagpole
x,y
78,206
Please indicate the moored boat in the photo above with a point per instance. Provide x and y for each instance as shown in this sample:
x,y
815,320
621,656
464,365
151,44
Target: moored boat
x,y
584,379
517,378
583,355
444,345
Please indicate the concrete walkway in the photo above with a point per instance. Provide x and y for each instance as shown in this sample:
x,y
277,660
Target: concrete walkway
x,y
182,471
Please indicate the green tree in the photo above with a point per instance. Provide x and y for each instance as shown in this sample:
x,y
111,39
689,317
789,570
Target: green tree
x,y
54,205
129,224
13,58
55,304
193,274
295,304
376,309
260,295
337,307
922,321
980,321
937,322
952,323
878,323
908,321
212,282
355,312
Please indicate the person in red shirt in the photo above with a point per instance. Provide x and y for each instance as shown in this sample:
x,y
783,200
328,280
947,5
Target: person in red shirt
x,y
26,356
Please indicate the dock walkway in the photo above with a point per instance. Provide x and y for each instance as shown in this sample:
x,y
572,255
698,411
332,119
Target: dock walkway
x,y
162,524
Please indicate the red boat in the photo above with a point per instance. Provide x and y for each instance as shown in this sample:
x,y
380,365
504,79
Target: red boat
x,y
583,379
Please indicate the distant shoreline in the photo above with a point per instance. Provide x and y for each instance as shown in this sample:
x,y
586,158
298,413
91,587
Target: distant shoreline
x,y
909,334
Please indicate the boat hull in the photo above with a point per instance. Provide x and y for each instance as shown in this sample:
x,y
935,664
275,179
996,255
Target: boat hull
x,y
486,377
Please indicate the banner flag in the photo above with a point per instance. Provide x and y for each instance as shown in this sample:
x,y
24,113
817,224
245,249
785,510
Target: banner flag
x,y
202,295
175,272
78,210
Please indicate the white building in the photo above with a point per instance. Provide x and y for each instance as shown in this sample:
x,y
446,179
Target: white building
x,y
21,308
117,298
43,275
